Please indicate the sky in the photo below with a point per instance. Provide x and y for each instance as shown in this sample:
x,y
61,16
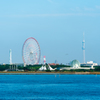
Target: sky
x,y
57,25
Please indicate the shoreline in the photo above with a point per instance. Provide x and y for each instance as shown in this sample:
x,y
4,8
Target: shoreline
x,y
48,73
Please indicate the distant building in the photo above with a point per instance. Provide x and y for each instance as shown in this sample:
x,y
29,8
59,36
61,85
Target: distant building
x,y
89,63
75,64
53,64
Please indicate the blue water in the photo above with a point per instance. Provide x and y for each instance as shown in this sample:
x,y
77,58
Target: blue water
x,y
49,87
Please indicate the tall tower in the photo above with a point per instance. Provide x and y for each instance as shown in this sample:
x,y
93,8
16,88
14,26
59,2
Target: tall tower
x,y
10,56
44,60
83,48
41,60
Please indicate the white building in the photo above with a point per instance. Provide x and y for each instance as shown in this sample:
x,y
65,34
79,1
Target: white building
x,y
91,62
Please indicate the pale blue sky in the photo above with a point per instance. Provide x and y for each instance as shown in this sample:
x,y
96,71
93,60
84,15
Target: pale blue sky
x,y
57,25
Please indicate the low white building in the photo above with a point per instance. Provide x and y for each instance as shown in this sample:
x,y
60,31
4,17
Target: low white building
x,y
75,64
91,62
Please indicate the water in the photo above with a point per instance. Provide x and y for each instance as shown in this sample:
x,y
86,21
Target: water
x,y
49,87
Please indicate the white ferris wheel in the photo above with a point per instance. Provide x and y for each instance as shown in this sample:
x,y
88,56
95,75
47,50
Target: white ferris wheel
x,y
31,51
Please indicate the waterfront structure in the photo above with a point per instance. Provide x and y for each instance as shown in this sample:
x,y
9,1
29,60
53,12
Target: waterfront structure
x,y
50,68
45,66
12,67
44,60
72,68
83,48
53,64
75,64
41,60
31,51
90,64
10,57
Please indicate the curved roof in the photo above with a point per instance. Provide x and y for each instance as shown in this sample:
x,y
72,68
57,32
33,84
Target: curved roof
x,y
75,63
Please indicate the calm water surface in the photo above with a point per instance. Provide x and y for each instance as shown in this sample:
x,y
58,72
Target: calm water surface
x,y
49,87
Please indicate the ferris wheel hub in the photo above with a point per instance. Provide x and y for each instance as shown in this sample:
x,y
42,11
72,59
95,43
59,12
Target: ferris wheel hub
x,y
31,52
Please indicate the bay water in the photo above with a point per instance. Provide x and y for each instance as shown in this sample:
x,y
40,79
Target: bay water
x,y
50,87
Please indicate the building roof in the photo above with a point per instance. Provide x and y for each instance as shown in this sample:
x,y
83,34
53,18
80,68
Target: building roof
x,y
75,63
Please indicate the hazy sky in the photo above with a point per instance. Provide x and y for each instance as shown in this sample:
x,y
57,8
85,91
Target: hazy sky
x,y
57,25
